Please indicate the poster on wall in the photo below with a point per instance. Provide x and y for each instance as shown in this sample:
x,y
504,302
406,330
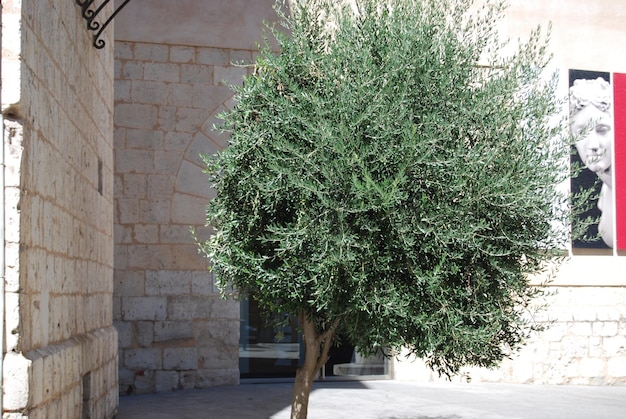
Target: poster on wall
x,y
598,159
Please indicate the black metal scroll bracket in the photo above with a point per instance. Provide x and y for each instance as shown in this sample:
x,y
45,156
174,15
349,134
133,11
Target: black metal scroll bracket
x,y
90,15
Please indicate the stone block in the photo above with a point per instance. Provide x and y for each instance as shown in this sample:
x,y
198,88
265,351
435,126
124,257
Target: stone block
x,y
172,330
167,162
168,283
180,94
616,367
580,328
196,74
140,359
605,328
144,383
175,233
12,318
213,56
126,377
149,92
132,70
186,256
202,283
37,395
609,314
592,367
218,377
182,54
554,332
192,180
186,308
574,347
188,209
210,97
614,346
156,211
180,358
584,314
135,185
209,128
224,309
160,186
146,233
596,349
144,333
177,140
122,91
229,75
190,119
572,369
218,356
222,334
166,120
135,115
188,379
144,139
128,213
241,56
123,50
129,283
150,52
144,308
122,234
165,72
134,161
166,381
124,333
149,256
201,146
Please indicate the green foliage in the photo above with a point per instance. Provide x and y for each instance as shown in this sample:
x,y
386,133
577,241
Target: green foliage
x,y
392,169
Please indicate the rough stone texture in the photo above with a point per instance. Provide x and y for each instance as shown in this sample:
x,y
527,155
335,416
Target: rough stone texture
x,y
61,354
584,343
177,332
232,24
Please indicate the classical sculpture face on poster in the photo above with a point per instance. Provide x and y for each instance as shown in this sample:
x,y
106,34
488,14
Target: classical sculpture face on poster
x,y
591,125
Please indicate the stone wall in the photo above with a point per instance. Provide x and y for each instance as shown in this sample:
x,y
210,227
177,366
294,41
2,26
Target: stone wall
x,y
175,331
61,357
584,343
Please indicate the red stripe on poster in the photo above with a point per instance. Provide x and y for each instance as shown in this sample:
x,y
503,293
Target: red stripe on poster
x,y
619,171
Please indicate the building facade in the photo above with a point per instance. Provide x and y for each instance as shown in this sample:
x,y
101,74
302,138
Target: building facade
x,y
59,343
104,290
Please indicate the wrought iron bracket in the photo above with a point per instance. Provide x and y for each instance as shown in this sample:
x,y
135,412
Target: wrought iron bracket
x,y
91,13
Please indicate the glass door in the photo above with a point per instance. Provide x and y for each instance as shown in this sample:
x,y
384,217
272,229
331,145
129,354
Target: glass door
x,y
270,351
265,350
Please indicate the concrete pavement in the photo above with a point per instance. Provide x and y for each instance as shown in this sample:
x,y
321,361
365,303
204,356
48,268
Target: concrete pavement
x,y
384,400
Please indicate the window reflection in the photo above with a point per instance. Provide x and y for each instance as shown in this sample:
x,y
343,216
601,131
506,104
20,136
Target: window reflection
x,y
270,351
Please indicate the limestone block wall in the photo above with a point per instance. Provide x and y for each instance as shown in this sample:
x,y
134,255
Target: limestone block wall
x,y
175,331
584,343
61,346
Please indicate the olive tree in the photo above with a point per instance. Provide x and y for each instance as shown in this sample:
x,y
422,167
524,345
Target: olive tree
x,y
392,174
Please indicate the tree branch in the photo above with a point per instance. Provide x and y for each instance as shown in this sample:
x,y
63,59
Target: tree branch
x,y
326,338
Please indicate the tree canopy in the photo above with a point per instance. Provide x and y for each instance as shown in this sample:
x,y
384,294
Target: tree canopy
x,y
393,174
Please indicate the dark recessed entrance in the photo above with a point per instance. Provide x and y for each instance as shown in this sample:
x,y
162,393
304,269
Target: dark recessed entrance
x,y
269,351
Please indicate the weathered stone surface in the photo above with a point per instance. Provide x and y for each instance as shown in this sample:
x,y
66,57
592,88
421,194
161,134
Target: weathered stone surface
x,y
172,331
166,381
58,212
141,359
168,282
180,358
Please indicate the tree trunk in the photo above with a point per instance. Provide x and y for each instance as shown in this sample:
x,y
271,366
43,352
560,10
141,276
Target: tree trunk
x,y
315,357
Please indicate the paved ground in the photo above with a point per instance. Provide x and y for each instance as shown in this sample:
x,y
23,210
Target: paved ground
x,y
384,400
